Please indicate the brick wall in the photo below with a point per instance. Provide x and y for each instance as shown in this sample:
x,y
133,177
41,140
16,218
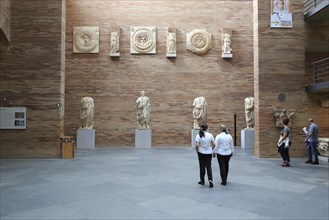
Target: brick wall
x,y
31,76
40,71
280,68
171,84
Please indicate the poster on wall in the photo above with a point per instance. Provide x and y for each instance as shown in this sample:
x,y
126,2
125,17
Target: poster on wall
x,y
281,14
12,117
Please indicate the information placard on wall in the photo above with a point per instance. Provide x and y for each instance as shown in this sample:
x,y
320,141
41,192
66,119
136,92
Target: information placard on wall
x,y
12,117
281,14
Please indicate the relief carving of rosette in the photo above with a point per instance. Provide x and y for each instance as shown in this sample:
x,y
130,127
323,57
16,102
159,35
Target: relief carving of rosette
x,y
198,41
142,40
85,40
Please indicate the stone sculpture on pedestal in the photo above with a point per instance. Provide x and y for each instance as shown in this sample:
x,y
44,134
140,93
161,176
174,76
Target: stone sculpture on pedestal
x,y
227,50
249,104
115,44
171,42
200,112
143,111
87,113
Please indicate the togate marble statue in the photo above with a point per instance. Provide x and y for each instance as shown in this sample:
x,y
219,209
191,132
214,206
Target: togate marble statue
x,y
87,112
143,111
249,104
200,112
280,114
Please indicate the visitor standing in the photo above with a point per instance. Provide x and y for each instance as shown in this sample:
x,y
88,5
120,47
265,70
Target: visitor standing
x,y
312,143
284,143
204,146
224,149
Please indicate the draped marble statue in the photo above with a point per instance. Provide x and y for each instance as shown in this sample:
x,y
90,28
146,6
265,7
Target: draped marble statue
x,y
87,112
115,42
143,111
249,104
226,43
199,112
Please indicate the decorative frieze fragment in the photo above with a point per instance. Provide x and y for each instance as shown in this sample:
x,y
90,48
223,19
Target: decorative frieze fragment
x,y
226,42
142,40
323,147
115,44
198,41
85,39
279,114
171,42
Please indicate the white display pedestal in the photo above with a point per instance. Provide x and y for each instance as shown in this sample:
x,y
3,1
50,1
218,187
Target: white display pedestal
x,y
194,133
143,138
85,138
247,138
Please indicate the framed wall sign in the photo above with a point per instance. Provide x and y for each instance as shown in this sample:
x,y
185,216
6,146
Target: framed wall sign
x,y
281,14
12,117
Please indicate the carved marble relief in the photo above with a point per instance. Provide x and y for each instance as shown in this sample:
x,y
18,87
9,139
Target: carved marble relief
x,y
85,39
171,42
198,41
142,40
279,114
323,147
226,43
115,44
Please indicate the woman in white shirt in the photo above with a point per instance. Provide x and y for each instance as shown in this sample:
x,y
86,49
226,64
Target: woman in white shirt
x,y
204,146
224,149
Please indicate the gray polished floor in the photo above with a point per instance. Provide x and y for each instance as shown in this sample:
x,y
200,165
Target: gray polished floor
x,y
161,183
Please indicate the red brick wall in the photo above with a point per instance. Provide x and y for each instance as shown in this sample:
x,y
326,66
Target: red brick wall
x,y
171,84
31,76
35,73
280,68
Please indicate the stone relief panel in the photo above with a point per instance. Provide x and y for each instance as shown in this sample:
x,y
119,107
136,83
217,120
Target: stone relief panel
x,y
171,42
198,41
279,114
142,40
226,43
115,44
323,147
85,39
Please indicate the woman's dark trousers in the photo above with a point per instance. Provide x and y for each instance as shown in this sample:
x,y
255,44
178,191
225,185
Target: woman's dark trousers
x,y
223,162
205,163
284,152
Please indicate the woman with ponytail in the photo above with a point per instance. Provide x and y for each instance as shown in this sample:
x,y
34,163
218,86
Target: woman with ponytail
x,y
204,146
